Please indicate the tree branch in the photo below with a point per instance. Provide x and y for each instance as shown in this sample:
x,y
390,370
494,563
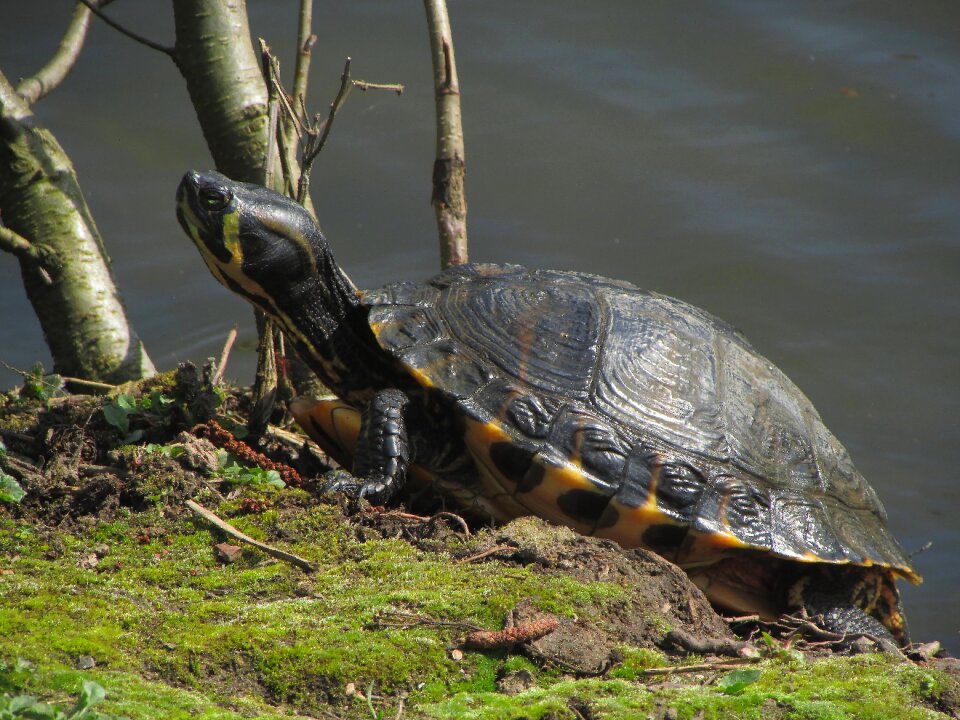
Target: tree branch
x,y
449,169
317,134
52,74
363,86
129,33
305,42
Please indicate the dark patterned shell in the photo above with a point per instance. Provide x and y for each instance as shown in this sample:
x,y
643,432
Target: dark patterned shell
x,y
631,415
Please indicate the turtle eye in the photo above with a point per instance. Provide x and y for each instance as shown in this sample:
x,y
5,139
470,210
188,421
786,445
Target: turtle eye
x,y
213,199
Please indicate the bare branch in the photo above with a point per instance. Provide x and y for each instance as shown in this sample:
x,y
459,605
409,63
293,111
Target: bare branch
x,y
52,74
324,130
363,86
270,67
26,251
305,42
449,168
224,355
317,134
129,33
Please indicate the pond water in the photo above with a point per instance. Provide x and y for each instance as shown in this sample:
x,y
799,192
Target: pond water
x,y
792,167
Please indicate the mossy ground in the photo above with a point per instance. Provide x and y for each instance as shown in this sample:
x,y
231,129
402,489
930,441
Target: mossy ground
x,y
135,585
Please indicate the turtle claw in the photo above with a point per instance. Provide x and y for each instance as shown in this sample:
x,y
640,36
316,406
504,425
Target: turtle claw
x,y
375,490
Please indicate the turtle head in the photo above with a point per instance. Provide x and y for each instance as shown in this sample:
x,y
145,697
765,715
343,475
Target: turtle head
x,y
256,242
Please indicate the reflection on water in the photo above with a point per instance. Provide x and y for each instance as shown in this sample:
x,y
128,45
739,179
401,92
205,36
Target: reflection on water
x,y
793,168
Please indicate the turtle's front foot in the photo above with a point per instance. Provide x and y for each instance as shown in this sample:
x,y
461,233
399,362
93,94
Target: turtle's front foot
x,y
382,453
377,490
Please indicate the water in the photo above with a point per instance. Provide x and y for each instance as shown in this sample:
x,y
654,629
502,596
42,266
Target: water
x,y
793,168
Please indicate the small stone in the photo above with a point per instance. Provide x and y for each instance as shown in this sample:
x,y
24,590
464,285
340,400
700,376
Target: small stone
x,y
88,561
515,683
86,662
456,655
101,550
228,553
863,645
350,690
926,651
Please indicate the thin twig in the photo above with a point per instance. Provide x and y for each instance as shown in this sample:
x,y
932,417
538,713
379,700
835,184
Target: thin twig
x,y
270,67
729,664
225,355
408,620
451,516
88,383
486,553
52,74
305,42
243,537
324,130
317,134
363,86
129,33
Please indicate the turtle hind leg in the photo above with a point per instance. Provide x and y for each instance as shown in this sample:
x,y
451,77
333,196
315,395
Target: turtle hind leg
x,y
852,601
382,452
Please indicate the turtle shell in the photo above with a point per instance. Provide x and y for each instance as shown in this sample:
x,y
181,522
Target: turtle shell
x,y
630,415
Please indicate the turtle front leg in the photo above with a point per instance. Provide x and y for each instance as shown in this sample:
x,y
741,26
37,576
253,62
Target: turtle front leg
x,y
382,453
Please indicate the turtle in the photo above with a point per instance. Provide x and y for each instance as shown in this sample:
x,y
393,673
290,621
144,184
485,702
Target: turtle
x,y
618,412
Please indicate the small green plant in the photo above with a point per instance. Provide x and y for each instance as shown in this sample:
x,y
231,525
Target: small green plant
x,y
28,707
170,451
10,490
234,473
780,651
734,682
119,411
14,676
38,386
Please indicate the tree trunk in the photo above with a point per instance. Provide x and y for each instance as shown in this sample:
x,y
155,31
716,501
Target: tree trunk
x,y
214,53
64,265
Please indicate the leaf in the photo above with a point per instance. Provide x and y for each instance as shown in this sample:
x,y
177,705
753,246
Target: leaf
x,y
127,402
132,437
117,416
90,694
734,682
10,490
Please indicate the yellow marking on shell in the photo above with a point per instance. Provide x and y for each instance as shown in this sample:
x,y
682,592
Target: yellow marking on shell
x,y
650,503
632,522
542,499
421,376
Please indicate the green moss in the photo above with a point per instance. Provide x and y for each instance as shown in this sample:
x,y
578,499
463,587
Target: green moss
x,y
613,699
158,604
867,687
175,633
635,661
